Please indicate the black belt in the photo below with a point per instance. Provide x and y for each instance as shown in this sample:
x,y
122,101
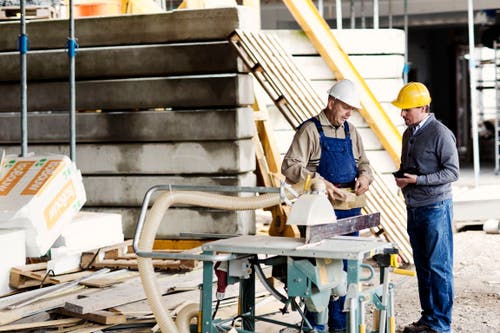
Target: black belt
x,y
344,185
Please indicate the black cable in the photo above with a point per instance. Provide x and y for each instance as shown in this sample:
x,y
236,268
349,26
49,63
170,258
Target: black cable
x,y
216,309
92,260
49,272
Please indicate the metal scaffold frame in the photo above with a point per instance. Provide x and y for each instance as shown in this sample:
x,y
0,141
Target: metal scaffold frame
x,y
496,46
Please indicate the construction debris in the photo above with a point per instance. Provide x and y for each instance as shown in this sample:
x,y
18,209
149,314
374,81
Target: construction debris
x,y
86,299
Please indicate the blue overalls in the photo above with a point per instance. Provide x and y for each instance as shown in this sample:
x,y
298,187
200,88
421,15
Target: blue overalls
x,y
338,166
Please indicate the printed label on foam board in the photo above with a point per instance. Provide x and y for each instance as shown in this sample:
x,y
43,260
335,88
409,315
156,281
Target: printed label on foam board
x,y
13,176
37,184
39,194
61,202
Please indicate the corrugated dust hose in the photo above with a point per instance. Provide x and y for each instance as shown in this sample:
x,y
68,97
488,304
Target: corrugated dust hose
x,y
148,234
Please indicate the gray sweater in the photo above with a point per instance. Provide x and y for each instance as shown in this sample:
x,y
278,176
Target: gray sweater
x,y
431,154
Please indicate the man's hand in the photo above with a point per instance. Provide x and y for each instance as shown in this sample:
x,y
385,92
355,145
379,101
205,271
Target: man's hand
x,y
408,179
362,184
333,192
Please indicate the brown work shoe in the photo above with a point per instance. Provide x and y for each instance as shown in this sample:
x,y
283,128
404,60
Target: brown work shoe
x,y
417,327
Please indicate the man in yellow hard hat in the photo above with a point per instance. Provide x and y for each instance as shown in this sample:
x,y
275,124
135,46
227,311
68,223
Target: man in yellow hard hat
x,y
328,147
429,164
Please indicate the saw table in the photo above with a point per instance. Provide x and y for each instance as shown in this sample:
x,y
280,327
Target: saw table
x,y
312,271
311,268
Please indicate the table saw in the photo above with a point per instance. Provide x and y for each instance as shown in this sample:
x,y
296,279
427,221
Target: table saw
x,y
312,268
306,279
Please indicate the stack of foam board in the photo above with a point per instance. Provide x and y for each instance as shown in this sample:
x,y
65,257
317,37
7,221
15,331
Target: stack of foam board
x,y
90,230
12,247
86,231
39,194
378,55
175,108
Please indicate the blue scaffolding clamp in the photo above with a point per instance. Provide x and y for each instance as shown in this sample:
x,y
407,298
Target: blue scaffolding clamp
x,y
23,43
72,46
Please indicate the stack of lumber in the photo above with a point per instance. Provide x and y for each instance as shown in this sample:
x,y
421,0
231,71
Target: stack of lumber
x,y
32,12
90,298
166,101
106,299
100,300
118,256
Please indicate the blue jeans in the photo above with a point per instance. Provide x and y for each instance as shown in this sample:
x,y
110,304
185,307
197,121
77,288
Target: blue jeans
x,y
337,318
431,239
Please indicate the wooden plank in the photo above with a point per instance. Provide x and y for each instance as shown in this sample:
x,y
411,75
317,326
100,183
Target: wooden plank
x,y
284,69
228,90
211,157
126,293
9,316
110,279
122,256
380,198
100,317
132,126
33,275
316,233
126,61
276,73
60,323
218,23
31,12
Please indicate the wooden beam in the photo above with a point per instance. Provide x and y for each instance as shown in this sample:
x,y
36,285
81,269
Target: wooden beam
x,y
41,324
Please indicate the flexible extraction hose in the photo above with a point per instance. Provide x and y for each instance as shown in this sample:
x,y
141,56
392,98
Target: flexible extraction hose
x,y
152,222
184,316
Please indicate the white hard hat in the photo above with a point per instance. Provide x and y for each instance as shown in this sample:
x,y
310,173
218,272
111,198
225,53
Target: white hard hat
x,y
345,91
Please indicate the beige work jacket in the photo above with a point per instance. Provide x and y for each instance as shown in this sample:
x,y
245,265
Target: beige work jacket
x,y
303,156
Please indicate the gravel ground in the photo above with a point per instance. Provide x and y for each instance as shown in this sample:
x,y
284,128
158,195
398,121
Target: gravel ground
x,y
477,289
477,286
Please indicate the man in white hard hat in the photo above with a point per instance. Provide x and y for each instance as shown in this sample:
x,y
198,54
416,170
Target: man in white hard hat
x,y
328,147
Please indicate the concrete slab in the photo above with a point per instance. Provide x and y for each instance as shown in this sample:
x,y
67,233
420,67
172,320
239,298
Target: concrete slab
x,y
385,90
157,158
188,220
381,160
131,126
119,191
126,61
129,94
369,66
182,25
476,203
353,41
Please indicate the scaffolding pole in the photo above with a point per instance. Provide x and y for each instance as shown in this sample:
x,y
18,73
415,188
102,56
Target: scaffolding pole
x,y
473,92
23,51
72,47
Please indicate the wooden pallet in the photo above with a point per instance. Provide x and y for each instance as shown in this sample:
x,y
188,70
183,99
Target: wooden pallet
x,y
294,96
36,274
122,256
32,12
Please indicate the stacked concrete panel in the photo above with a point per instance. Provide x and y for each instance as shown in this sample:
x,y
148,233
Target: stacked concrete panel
x,y
162,99
378,55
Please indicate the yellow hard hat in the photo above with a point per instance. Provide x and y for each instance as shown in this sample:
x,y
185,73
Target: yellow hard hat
x,y
412,95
